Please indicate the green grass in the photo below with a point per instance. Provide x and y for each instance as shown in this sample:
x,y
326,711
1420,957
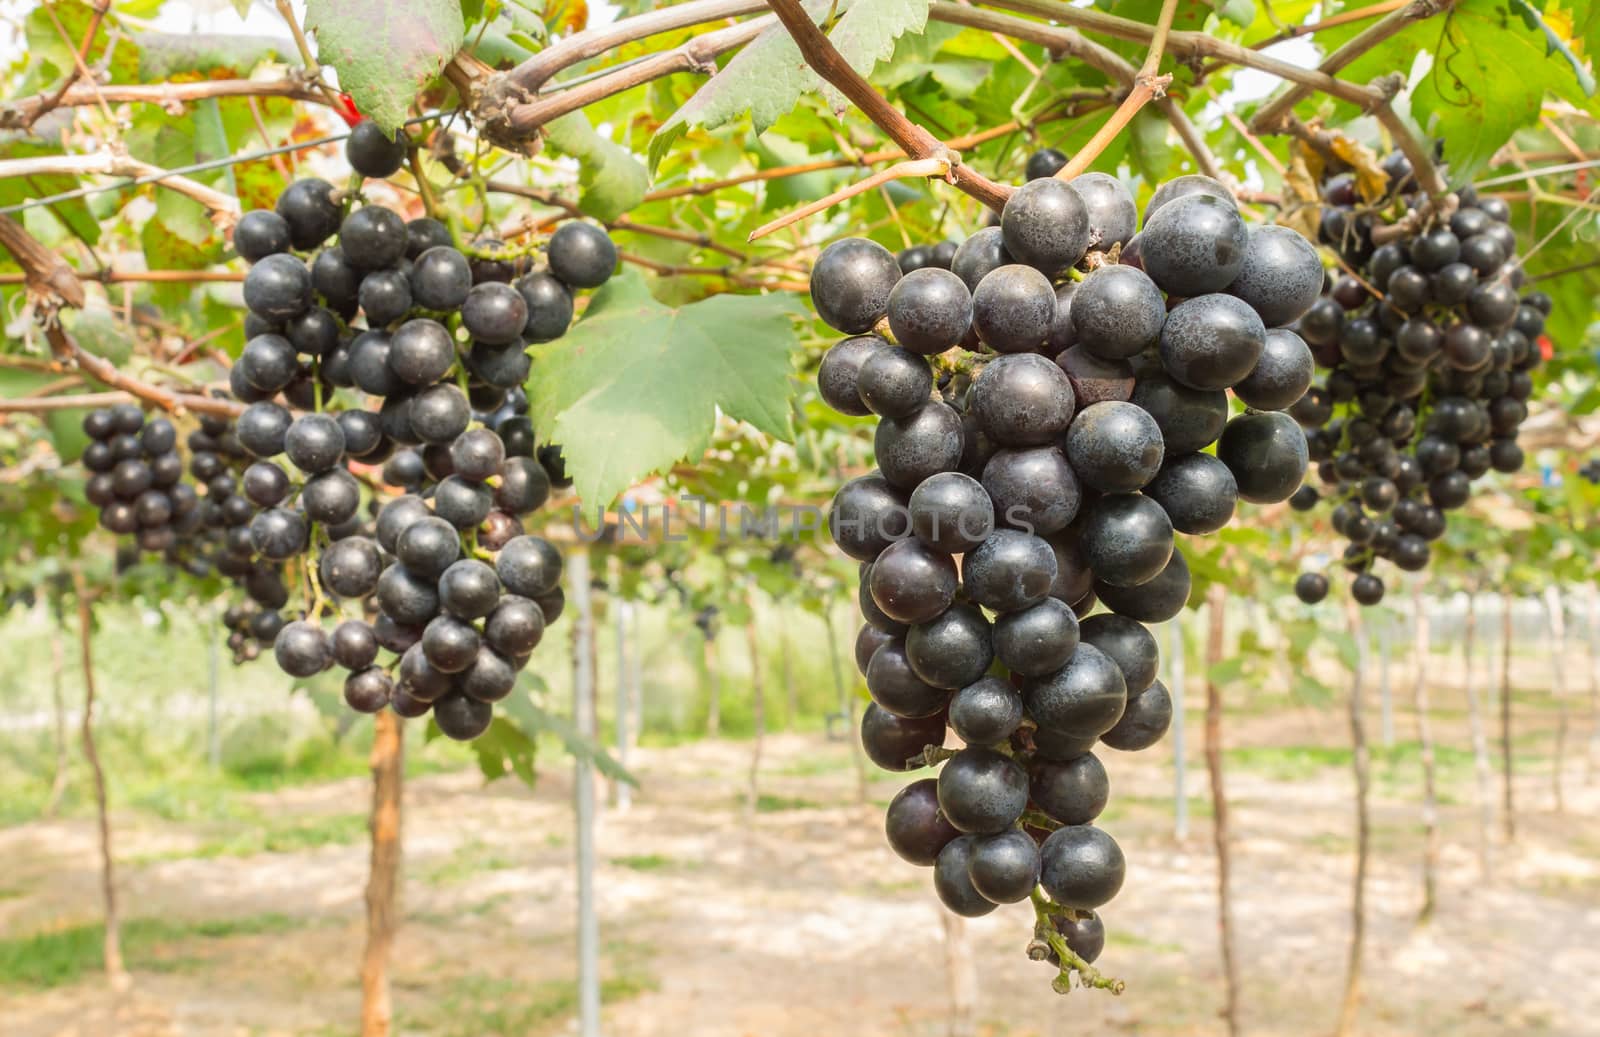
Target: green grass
x,y
490,1006
813,765
1126,806
1396,765
651,862
274,835
58,957
1122,938
480,1006
767,803
471,858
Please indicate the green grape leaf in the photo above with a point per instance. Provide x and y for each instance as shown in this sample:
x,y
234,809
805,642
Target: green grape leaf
x,y
1227,671
53,32
73,213
768,77
66,433
1148,147
15,383
504,749
385,49
97,331
613,180
1469,102
163,55
532,718
636,384
184,217
1554,43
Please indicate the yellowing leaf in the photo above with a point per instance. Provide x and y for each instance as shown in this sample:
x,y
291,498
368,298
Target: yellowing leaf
x,y
1371,181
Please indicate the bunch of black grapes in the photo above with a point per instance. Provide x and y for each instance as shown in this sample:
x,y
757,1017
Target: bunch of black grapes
x,y
1043,406
1041,164
1428,352
444,577
136,478
197,524
1590,471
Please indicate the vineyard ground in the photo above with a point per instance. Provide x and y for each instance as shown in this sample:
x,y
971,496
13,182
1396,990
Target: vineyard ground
x,y
795,919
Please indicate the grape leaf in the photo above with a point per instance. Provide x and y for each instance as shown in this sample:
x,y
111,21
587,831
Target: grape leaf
x,y
501,750
1557,28
1148,147
530,718
16,383
768,77
73,213
163,55
385,49
636,385
613,180
1467,99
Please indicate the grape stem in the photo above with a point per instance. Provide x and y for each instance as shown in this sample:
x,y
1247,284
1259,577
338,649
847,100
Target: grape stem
x,y
1147,86
930,756
917,142
424,188
318,603
1044,915
1038,819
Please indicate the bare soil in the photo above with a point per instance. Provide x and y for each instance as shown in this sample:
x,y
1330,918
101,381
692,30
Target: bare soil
x,y
795,919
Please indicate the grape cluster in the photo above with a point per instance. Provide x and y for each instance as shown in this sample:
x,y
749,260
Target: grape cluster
x,y
1427,350
136,477
198,524
1589,471
1040,469
444,577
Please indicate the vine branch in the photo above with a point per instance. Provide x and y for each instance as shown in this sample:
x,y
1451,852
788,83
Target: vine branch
x,y
24,111
1066,41
54,284
1359,14
915,141
696,55
1194,45
1147,85
224,208
142,276
543,66
1272,114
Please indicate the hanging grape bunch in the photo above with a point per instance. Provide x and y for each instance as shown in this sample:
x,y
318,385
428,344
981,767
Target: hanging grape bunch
x,y
1590,471
195,521
136,478
1043,395
445,579
1428,352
